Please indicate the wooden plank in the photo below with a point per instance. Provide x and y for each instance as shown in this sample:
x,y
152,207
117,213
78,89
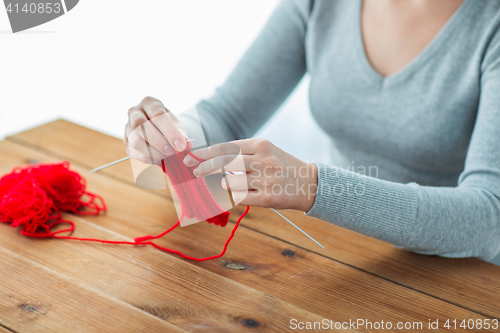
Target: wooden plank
x,y
5,329
184,295
36,299
174,290
322,286
471,283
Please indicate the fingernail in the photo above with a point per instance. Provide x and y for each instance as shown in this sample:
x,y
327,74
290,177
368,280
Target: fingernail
x,y
179,145
168,150
188,160
195,172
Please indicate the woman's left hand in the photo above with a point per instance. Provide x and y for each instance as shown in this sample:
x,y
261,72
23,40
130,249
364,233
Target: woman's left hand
x,y
271,177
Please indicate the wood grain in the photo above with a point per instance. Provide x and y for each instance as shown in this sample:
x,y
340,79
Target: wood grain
x,y
158,283
36,299
282,271
183,295
4,329
470,283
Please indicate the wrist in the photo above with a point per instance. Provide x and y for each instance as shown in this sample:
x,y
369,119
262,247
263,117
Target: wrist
x,y
311,186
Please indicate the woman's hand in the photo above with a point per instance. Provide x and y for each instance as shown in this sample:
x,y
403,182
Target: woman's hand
x,y
272,177
151,122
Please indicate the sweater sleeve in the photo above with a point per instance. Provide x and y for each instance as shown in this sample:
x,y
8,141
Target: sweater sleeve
x,y
461,221
263,78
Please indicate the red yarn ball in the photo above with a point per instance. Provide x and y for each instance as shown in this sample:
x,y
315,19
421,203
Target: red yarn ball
x,y
36,194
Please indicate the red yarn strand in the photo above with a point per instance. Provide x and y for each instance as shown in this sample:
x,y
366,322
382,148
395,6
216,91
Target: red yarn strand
x,y
140,240
34,197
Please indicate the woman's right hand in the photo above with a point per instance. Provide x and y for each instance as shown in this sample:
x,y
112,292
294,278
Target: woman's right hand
x,y
151,122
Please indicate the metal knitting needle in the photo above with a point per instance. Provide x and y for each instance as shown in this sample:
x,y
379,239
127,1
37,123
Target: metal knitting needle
x,y
119,161
302,231
274,210
109,164
225,173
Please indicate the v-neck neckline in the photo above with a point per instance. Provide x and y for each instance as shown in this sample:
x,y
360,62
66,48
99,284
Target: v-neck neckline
x,y
430,49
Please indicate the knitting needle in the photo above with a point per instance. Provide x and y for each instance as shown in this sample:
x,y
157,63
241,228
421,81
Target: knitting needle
x,y
119,161
274,210
109,164
302,231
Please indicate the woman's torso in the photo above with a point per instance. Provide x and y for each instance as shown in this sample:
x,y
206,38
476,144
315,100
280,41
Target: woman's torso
x,y
411,126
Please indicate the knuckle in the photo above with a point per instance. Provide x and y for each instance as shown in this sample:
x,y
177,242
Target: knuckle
x,y
269,160
157,110
219,150
132,110
262,144
201,153
137,122
148,99
134,142
156,143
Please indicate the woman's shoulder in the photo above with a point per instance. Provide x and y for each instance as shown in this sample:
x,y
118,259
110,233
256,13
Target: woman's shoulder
x,y
308,7
484,28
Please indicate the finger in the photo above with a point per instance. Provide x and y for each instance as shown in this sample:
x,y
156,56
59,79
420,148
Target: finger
x,y
247,198
140,123
216,164
137,155
235,182
136,117
170,132
149,133
221,149
139,144
128,129
158,114
189,161
181,128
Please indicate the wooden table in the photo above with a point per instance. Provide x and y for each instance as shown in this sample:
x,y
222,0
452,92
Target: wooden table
x,y
270,276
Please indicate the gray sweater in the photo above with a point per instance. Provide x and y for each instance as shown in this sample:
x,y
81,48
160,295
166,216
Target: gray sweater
x,y
416,155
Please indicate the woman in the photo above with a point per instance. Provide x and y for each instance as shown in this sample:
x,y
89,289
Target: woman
x,y
411,87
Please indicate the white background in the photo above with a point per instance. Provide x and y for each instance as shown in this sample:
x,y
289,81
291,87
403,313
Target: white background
x,y
92,64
